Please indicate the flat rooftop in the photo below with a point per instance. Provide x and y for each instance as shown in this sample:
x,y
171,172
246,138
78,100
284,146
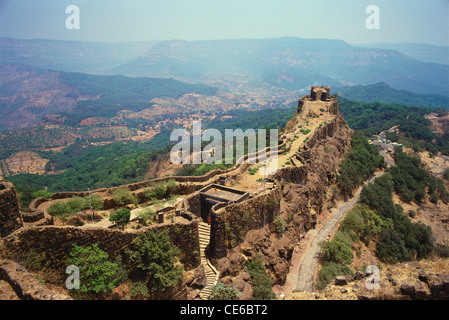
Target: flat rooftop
x,y
223,193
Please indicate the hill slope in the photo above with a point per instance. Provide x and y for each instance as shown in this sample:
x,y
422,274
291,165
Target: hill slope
x,y
28,94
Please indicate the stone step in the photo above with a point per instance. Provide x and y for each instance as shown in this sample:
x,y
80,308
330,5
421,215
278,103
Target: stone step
x,y
204,225
204,236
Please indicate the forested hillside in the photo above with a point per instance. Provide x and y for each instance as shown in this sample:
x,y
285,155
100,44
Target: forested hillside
x,y
382,92
373,118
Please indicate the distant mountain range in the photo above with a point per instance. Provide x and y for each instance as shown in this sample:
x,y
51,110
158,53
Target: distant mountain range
x,y
78,56
382,92
289,63
418,51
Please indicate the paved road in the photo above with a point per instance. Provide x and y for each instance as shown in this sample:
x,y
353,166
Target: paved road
x,y
309,264
387,158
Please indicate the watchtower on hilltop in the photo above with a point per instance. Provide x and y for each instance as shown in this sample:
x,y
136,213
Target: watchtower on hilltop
x,y
320,93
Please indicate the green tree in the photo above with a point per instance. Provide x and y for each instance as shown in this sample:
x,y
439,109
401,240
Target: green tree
x,y
336,251
120,217
77,204
279,224
391,248
262,285
329,271
97,274
42,193
220,292
59,209
155,258
122,196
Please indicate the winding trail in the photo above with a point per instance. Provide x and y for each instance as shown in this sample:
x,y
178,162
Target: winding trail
x,y
309,264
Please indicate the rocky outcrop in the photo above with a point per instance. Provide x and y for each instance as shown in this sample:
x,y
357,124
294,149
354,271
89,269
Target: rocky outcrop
x,y
415,280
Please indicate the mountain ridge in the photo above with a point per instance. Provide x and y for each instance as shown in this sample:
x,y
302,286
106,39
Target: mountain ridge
x,y
382,92
289,63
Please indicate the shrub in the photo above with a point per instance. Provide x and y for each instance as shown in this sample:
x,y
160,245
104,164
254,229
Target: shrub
x,y
262,288
120,217
77,204
33,261
42,193
97,201
261,283
58,208
154,257
253,170
442,250
122,196
391,248
446,174
364,223
412,213
160,190
336,251
279,223
139,290
347,237
97,273
329,271
220,292
171,184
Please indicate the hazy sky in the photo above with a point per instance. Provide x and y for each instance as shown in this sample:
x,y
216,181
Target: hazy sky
x,y
420,21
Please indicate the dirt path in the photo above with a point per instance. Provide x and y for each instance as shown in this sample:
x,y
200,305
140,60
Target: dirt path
x,y
307,269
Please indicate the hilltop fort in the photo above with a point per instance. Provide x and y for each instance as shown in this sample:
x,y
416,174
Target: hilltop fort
x,y
218,220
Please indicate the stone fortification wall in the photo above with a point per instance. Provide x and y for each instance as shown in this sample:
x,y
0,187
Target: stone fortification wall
x,y
34,213
231,222
24,284
56,242
192,203
9,209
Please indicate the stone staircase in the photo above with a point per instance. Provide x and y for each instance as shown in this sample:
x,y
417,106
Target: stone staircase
x,y
211,273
